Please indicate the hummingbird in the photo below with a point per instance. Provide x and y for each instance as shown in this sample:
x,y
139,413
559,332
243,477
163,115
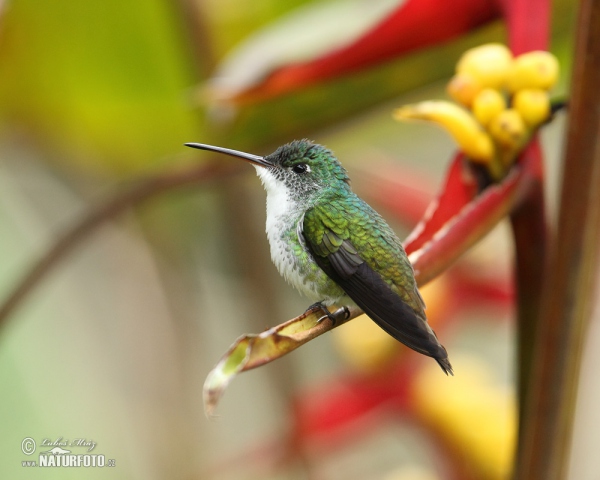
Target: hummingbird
x,y
333,247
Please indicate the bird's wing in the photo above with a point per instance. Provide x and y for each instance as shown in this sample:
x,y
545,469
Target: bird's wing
x,y
350,242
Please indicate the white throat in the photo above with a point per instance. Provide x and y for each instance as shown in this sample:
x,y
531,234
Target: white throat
x,y
283,216
280,206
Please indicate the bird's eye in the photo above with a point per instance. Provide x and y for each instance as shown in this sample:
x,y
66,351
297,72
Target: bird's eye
x,y
300,168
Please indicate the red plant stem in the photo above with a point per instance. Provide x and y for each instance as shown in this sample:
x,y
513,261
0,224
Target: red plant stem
x,y
530,234
568,290
528,29
528,24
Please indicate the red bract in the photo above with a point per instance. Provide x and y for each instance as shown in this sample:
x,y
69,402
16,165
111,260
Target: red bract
x,y
460,188
471,222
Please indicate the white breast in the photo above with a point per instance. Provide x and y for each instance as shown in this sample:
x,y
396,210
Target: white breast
x,y
283,216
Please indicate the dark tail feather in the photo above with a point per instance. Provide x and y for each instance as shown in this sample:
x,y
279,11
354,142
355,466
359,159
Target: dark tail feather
x,y
445,364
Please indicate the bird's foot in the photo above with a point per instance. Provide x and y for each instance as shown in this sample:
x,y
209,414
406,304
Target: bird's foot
x,y
317,305
320,306
341,313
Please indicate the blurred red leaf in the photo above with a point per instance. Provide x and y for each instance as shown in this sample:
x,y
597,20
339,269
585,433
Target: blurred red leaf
x,y
326,412
414,24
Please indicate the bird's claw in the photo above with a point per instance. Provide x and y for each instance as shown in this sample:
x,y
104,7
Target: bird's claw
x,y
317,305
341,313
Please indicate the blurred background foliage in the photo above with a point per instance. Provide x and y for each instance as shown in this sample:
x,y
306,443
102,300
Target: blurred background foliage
x,y
115,345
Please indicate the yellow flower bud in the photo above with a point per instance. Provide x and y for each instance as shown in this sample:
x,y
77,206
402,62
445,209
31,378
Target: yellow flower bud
x,y
463,87
490,64
457,121
508,129
487,105
538,69
533,105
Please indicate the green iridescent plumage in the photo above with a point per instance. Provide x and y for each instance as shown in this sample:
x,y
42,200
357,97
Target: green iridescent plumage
x,y
327,225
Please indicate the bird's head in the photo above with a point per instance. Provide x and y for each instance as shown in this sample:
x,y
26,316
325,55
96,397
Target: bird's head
x,y
301,168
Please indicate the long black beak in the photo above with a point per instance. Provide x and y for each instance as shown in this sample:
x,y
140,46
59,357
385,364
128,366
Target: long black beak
x,y
255,159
